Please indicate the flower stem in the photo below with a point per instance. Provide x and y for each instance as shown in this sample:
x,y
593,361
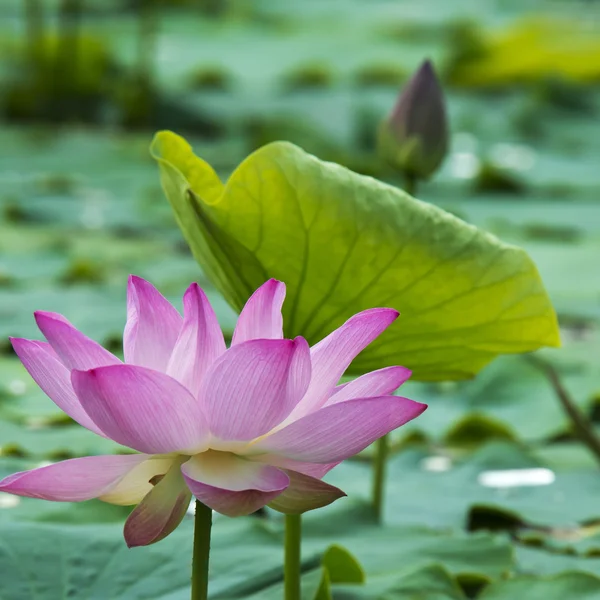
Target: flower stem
x,y
410,185
293,538
202,527
381,454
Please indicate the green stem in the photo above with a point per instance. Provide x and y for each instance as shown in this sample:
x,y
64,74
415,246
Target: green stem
x,y
410,186
383,444
581,425
381,454
202,527
293,538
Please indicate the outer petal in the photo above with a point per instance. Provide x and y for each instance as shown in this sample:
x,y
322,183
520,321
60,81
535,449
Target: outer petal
x,y
74,349
200,341
53,377
305,493
152,327
136,484
316,470
261,316
337,432
332,355
160,512
72,480
143,409
254,386
232,485
378,383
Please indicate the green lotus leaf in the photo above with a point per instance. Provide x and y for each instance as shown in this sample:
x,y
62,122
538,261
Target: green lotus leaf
x,y
342,566
343,243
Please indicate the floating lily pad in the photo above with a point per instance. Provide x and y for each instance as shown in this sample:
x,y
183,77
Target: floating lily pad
x,y
574,586
416,492
90,561
382,549
52,442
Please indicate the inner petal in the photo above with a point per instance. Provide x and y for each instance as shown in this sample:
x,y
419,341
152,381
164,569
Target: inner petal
x,y
231,472
138,482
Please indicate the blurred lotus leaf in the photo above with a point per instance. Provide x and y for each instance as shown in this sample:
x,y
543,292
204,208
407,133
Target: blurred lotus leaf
x,y
343,243
530,51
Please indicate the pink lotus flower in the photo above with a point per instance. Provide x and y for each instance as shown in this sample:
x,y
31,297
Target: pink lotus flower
x,y
258,423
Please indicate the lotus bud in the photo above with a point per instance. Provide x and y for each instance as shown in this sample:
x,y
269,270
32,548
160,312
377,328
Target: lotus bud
x,y
414,138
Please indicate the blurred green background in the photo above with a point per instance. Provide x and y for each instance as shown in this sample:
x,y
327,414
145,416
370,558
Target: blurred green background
x,y
83,86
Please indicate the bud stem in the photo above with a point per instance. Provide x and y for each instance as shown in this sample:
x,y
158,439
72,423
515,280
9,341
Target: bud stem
x,y
382,447
410,186
202,527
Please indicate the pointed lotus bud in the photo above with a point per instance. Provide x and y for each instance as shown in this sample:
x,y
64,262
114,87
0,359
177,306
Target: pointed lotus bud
x,y
414,138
